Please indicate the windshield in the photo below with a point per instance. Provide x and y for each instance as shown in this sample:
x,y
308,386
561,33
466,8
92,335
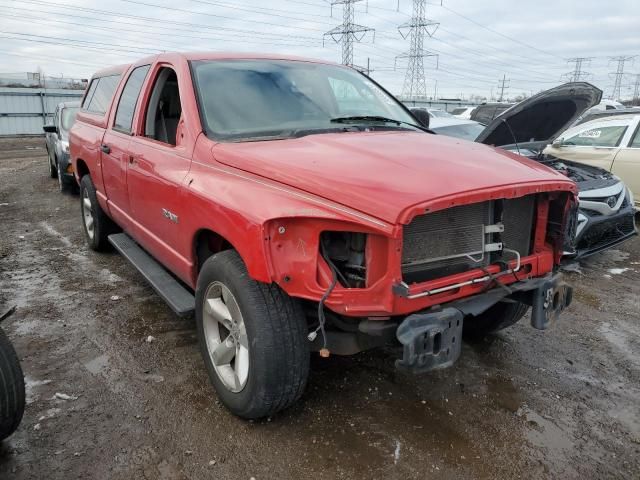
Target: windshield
x,y
249,99
67,117
466,131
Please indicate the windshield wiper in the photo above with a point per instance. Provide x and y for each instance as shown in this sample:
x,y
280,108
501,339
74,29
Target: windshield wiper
x,y
375,118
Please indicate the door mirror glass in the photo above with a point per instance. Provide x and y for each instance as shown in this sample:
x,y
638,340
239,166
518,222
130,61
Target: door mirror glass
x,y
422,116
50,129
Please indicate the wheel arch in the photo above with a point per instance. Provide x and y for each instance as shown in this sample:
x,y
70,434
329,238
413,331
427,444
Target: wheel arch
x,y
81,169
207,242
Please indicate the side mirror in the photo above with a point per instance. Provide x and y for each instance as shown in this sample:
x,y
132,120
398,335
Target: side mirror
x,y
558,142
422,116
50,129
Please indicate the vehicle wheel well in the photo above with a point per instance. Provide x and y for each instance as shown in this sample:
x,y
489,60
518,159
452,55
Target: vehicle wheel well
x,y
208,243
82,168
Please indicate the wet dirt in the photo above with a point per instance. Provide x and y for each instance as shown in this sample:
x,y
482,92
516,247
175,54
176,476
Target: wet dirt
x,y
564,403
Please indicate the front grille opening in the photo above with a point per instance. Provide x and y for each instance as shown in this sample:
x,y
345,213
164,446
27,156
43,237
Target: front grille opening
x,y
453,240
345,251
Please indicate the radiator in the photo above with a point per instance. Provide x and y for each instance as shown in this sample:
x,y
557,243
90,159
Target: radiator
x,y
453,240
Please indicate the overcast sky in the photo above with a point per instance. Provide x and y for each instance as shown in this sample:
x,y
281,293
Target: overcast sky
x,y
477,41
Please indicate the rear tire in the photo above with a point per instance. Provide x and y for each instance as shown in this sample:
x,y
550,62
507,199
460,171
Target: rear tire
x,y
498,317
12,397
96,224
271,374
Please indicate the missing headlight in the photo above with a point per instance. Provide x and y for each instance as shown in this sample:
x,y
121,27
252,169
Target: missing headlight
x,y
345,251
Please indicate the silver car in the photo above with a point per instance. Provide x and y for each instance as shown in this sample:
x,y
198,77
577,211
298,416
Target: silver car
x,y
57,139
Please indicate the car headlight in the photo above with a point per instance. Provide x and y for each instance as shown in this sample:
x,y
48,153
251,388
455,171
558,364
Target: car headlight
x,y
65,146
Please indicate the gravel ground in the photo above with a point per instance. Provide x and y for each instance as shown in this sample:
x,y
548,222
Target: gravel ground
x,y
564,403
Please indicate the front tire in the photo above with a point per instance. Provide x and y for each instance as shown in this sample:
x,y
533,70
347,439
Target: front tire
x,y
96,224
498,317
53,171
12,397
253,338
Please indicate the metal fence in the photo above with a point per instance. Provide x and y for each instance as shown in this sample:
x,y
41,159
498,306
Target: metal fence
x,y
23,111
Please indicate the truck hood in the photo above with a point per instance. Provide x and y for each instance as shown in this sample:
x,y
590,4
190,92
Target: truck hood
x,y
543,116
383,173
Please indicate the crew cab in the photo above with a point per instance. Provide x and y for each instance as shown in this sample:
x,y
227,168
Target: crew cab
x,y
295,206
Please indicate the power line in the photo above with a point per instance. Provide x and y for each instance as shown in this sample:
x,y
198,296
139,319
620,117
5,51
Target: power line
x,y
159,20
416,29
619,74
348,32
499,33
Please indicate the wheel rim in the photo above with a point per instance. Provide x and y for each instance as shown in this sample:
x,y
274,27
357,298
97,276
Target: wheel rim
x,y
87,214
226,336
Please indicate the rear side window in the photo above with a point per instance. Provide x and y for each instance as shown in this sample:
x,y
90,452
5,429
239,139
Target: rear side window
x,y
129,98
102,94
90,91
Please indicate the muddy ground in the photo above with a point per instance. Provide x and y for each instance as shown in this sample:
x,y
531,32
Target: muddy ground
x,y
564,403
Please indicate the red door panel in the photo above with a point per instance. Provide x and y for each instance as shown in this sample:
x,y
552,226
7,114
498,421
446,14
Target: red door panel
x,y
114,170
154,179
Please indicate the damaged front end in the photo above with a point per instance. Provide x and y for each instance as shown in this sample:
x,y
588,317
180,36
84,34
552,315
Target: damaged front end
x,y
420,282
432,340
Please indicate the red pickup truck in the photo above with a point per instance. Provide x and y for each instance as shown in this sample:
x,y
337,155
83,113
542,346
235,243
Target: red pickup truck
x,y
295,205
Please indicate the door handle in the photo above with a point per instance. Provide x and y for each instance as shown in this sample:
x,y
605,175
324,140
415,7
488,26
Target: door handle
x,y
105,148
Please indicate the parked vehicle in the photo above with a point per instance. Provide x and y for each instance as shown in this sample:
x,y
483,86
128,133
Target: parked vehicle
x,y
457,127
598,114
57,142
308,211
12,393
486,112
610,143
606,215
433,112
463,112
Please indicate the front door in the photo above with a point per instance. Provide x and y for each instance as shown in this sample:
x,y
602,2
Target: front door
x,y
159,163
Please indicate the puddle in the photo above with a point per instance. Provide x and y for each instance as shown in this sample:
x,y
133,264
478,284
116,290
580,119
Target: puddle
x,y
543,433
621,340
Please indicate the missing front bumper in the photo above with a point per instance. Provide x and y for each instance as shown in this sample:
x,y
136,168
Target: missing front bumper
x,y
432,340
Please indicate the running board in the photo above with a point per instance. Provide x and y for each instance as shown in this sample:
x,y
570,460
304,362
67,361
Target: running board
x,y
181,300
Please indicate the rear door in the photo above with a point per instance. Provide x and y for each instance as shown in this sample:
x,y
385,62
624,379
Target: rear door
x,y
97,102
627,162
116,143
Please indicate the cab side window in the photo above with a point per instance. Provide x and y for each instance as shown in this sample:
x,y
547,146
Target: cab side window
x,y
164,108
99,96
598,137
128,99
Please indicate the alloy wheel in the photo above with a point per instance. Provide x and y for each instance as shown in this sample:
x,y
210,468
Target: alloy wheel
x,y
226,336
87,214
